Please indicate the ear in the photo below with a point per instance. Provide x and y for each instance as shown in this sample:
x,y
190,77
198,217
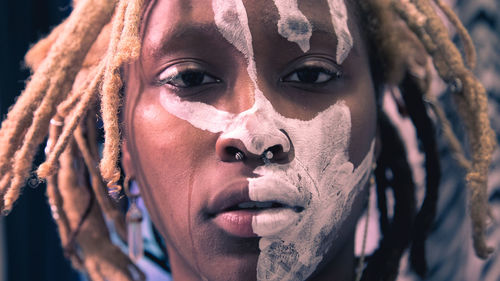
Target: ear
x,y
127,165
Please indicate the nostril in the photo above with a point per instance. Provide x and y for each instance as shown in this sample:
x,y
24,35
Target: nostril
x,y
272,154
277,151
276,148
235,153
276,154
227,149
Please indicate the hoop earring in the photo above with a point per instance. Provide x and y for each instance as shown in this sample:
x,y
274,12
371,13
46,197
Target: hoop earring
x,y
134,220
361,263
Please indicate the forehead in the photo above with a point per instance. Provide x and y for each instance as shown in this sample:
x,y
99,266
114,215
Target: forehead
x,y
168,21
265,12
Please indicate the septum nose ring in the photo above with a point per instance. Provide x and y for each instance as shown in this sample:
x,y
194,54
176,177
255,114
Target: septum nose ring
x,y
266,156
239,156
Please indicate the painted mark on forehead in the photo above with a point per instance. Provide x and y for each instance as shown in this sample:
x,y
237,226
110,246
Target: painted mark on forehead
x,y
312,180
338,11
232,21
293,25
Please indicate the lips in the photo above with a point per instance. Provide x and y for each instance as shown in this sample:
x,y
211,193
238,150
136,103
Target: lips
x,y
233,211
258,205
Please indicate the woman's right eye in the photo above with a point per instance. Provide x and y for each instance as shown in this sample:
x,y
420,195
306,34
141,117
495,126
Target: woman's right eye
x,y
186,75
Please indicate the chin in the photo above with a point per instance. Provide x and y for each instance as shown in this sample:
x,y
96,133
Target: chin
x,y
230,267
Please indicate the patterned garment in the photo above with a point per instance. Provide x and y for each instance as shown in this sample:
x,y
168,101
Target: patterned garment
x,y
450,254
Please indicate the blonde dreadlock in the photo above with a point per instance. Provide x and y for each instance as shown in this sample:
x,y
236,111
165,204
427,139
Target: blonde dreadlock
x,y
62,90
426,28
471,100
71,67
48,87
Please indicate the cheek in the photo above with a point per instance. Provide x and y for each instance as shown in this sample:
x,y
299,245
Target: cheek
x,y
166,150
364,121
162,138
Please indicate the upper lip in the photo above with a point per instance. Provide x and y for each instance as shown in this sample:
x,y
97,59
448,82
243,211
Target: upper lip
x,y
231,195
269,188
238,192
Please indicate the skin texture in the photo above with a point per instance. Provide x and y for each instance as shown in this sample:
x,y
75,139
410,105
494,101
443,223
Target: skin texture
x,y
181,168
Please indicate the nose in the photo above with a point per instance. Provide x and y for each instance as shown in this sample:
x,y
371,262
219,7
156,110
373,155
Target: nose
x,y
233,150
254,139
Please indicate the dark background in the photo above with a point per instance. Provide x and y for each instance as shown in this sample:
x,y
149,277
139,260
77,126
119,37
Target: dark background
x,y
33,247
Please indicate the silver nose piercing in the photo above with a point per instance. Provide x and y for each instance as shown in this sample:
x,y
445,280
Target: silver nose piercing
x,y
239,156
267,156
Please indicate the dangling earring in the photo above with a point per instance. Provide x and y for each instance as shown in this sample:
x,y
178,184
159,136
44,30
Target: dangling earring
x,y
134,219
361,264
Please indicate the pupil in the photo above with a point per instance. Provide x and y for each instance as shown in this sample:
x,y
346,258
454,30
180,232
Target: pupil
x,y
309,75
191,79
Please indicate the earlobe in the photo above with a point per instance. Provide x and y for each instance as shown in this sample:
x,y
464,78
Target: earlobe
x,y
127,160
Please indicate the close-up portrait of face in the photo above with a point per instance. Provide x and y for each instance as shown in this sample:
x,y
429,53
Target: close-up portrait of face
x,y
259,140
251,134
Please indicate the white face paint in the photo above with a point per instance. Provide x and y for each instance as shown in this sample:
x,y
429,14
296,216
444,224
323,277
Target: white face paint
x,y
319,178
293,25
338,11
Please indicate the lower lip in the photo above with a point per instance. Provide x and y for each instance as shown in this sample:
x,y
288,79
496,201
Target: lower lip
x,y
237,223
267,221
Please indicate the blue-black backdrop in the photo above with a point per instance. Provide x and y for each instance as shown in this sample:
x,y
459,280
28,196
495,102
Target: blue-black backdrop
x,y
33,250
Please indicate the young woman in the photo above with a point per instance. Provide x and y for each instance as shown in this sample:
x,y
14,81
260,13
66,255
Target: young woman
x,y
252,129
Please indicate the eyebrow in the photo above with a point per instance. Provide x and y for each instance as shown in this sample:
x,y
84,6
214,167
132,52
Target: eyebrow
x,y
184,30
272,20
325,28
210,30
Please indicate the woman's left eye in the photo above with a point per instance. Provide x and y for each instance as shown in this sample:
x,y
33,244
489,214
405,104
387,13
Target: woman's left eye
x,y
186,77
311,75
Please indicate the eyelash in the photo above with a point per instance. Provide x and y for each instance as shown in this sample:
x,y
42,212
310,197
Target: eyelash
x,y
177,78
321,74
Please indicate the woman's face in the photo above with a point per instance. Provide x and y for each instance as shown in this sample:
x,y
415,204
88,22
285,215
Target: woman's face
x,y
287,86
